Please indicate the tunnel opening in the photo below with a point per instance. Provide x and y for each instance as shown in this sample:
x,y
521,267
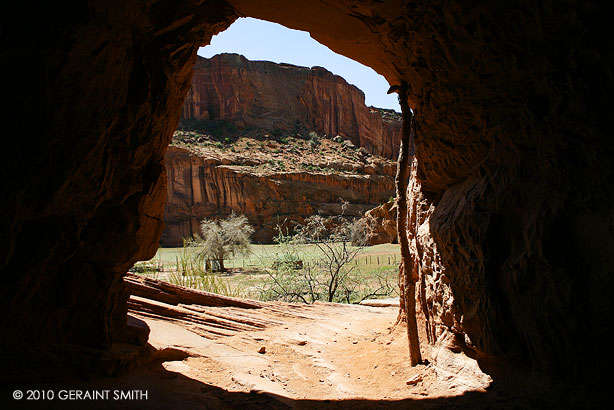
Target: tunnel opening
x,y
210,116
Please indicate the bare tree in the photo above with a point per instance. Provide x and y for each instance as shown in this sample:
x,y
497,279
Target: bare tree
x,y
222,239
336,248
330,273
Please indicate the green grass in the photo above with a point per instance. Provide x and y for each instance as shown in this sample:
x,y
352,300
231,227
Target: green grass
x,y
247,273
262,256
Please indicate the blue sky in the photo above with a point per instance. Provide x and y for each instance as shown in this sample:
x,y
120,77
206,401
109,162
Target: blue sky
x,y
262,40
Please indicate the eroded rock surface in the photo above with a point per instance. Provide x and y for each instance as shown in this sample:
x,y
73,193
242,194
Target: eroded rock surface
x,y
98,91
512,217
214,183
286,98
381,223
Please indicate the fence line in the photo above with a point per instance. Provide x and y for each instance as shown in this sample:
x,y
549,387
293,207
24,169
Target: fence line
x,y
389,259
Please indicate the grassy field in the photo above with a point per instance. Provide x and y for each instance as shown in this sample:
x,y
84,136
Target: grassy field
x,y
262,256
247,275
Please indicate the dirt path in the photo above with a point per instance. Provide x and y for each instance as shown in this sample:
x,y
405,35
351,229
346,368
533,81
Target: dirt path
x,y
321,356
216,352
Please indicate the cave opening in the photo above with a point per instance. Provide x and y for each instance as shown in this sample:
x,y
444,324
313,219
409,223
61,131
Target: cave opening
x,y
207,118
375,330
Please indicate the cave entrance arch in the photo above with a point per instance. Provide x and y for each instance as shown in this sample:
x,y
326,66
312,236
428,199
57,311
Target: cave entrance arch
x,y
417,48
338,28
213,113
421,46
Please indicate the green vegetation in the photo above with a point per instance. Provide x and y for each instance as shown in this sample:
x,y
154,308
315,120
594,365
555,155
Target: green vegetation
x,y
191,273
270,150
314,140
184,267
306,269
218,129
249,275
371,258
275,164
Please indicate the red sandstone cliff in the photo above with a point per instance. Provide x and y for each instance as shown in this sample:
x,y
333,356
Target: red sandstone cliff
x,y
215,183
281,96
280,99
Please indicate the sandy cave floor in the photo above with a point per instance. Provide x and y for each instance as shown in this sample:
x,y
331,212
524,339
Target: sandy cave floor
x,y
321,356
332,352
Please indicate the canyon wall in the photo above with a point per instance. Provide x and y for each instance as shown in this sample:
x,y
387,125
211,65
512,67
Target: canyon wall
x,y
210,187
279,99
285,97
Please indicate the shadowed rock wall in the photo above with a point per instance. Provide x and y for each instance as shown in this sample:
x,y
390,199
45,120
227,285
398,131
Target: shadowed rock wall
x,y
511,223
97,91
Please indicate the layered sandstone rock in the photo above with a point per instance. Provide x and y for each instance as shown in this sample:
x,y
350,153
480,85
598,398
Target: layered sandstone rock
x,y
285,97
215,184
381,223
248,97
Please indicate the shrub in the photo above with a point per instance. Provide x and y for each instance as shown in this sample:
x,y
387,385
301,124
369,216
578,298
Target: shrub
x,y
191,274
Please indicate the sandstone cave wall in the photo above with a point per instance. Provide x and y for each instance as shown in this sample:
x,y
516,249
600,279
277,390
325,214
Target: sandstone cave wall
x,y
208,188
512,216
511,220
273,96
97,89
511,223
